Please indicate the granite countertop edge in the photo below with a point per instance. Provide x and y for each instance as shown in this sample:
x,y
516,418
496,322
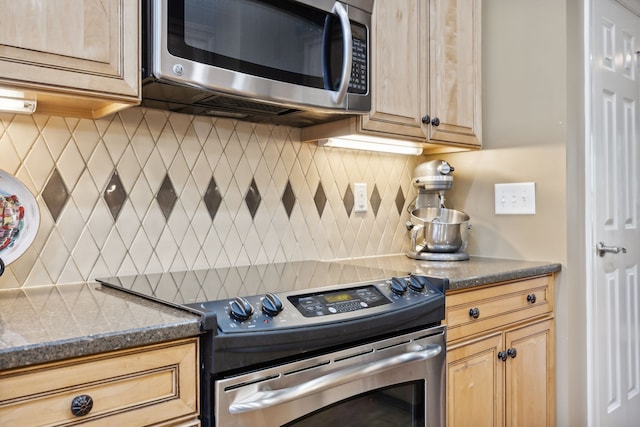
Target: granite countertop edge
x,y
477,271
503,276
122,321
54,351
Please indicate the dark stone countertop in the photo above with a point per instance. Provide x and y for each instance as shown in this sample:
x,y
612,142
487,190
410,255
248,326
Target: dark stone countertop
x,y
49,323
476,271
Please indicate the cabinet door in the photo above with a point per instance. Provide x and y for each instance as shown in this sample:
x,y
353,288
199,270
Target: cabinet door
x,y
72,48
399,43
455,71
530,376
475,381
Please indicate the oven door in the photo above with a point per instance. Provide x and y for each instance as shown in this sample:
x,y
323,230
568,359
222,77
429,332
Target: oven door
x,y
396,381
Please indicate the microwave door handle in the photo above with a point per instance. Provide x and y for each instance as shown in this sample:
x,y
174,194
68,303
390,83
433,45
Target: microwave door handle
x,y
338,96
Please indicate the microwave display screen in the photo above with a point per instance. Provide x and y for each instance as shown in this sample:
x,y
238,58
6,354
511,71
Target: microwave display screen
x,y
275,39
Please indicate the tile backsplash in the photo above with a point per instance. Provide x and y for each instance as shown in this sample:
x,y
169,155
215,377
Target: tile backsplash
x,y
147,191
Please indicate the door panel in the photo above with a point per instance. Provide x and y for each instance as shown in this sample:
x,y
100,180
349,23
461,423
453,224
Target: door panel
x,y
615,344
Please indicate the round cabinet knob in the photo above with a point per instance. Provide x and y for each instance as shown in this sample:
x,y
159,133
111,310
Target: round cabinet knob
x,y
240,309
474,312
271,304
417,283
531,298
426,119
512,352
398,286
502,355
81,405
435,121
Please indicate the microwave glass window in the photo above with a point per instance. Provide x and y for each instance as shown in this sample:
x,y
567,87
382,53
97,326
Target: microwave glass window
x,y
275,39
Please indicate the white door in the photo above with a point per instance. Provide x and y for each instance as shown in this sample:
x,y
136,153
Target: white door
x,y
615,327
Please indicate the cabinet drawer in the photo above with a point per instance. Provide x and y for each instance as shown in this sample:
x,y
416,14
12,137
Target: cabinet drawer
x,y
497,306
132,387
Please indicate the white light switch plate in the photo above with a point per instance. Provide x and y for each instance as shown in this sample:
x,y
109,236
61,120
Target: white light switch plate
x,y
515,198
360,197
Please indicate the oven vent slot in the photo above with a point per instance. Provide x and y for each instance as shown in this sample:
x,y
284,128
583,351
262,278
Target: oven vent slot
x,y
246,383
421,337
307,368
394,345
351,356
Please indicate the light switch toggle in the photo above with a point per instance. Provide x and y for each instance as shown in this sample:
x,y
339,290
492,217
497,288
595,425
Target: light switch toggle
x,y
515,198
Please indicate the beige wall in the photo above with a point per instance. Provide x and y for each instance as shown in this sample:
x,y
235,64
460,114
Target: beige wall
x,y
532,132
524,132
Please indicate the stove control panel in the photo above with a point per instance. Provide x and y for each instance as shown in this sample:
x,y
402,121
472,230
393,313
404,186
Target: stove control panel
x,y
315,307
338,301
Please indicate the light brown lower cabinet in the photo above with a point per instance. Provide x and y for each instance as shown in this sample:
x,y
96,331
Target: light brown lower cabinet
x,y
500,358
152,385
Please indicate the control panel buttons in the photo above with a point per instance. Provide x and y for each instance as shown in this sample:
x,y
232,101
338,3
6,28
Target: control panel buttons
x,y
278,311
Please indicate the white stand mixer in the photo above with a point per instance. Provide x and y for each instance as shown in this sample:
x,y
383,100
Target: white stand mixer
x,y
436,233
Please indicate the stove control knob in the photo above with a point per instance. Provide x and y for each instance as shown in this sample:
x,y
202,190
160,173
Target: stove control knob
x,y
271,304
417,283
240,309
398,285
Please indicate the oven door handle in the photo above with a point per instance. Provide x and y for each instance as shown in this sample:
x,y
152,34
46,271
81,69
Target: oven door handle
x,y
268,398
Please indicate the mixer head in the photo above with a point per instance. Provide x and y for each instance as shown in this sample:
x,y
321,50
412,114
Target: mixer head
x,y
433,176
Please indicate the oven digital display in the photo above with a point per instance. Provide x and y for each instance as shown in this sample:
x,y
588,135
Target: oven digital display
x,y
338,301
338,297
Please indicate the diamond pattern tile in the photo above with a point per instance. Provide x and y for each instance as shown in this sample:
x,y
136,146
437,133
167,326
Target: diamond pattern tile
x,y
253,198
114,195
348,200
400,200
320,199
55,194
166,197
212,198
375,200
135,193
288,199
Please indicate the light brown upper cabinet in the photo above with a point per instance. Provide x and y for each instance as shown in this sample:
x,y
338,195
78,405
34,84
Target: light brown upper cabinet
x,y
78,57
426,76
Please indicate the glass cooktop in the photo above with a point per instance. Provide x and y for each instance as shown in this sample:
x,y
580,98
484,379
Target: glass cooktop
x,y
189,287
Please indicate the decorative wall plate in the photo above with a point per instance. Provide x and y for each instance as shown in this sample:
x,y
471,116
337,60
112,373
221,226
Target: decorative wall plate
x,y
19,218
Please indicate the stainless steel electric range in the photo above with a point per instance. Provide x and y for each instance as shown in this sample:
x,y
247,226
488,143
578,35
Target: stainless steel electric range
x,y
312,343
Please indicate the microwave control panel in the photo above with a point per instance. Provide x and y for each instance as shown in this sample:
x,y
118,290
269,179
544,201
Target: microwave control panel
x,y
359,67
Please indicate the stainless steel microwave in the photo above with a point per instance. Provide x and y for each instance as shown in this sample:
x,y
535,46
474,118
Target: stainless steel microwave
x,y
293,62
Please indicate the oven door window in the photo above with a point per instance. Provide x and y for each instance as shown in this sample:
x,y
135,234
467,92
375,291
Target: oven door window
x,y
399,405
274,39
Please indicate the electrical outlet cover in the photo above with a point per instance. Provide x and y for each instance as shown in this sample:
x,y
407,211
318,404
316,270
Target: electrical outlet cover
x,y
360,197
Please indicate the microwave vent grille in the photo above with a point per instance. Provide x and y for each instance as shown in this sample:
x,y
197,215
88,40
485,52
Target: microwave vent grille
x,y
223,102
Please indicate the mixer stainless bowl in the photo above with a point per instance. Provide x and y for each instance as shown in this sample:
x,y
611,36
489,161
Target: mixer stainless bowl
x,y
438,229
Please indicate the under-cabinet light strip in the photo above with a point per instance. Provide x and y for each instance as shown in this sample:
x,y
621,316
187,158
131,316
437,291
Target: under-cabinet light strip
x,y
359,142
17,105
